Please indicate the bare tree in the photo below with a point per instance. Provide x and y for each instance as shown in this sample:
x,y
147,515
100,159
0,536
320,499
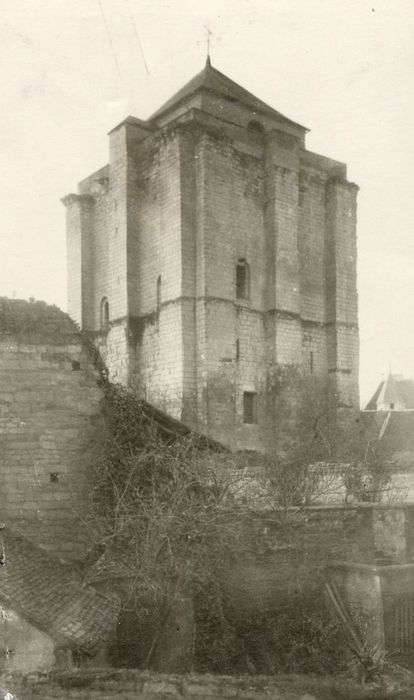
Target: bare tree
x,y
328,457
165,510
169,509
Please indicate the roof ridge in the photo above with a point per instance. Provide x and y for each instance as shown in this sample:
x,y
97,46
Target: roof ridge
x,y
228,88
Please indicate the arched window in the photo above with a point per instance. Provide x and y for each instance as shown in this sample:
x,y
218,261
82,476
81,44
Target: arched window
x,y
256,131
158,293
242,279
104,314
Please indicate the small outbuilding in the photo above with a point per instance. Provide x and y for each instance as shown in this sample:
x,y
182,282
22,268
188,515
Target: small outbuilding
x,y
48,615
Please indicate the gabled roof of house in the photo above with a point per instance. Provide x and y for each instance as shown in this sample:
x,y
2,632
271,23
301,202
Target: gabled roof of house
x,y
212,81
52,597
393,390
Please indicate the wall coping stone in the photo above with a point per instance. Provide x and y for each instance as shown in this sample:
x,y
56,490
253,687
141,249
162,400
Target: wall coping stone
x,y
369,568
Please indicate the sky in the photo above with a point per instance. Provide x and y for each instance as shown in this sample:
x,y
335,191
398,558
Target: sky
x,y
70,71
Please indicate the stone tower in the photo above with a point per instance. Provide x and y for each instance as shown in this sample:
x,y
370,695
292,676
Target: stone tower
x,y
212,250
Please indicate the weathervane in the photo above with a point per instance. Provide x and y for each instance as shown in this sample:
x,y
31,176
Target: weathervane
x,y
208,40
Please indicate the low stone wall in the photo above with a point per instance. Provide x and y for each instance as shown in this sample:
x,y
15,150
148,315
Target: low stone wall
x,y
290,562
141,685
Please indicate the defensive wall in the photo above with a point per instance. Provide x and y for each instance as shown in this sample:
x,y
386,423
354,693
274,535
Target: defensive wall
x,y
51,425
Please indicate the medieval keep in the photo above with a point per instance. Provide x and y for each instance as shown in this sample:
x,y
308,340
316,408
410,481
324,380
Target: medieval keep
x,y
212,250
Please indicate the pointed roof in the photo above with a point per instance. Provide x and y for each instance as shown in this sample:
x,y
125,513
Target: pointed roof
x,y
212,81
389,392
393,391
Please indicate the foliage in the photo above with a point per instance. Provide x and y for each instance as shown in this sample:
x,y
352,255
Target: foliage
x,y
169,514
161,510
219,647
36,320
168,511
302,473
368,473
298,638
328,455
371,663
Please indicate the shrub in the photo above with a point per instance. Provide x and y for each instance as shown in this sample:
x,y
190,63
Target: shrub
x,y
300,638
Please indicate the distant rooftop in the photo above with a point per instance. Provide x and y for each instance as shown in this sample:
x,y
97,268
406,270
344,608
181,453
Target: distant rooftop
x,y
393,394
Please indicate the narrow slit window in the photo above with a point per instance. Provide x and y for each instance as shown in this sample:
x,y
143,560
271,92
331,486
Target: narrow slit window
x,y
311,362
242,279
249,407
104,314
237,350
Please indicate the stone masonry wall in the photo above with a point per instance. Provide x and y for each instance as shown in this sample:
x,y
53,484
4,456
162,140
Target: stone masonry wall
x,y
140,685
114,348
230,228
162,229
342,307
257,208
290,561
154,262
50,425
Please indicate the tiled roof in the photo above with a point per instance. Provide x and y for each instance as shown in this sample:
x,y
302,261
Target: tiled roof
x,y
372,403
51,596
406,392
396,429
394,390
109,567
212,81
